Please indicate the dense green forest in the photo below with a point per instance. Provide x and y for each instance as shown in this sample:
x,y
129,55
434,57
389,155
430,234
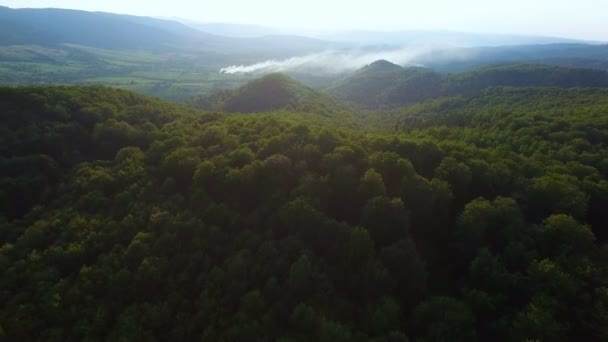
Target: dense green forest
x,y
480,217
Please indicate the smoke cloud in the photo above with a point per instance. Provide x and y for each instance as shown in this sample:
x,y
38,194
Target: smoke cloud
x,y
329,61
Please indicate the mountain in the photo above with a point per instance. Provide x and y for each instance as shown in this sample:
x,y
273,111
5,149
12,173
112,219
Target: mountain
x,y
525,75
174,61
102,30
52,27
234,30
567,55
277,46
385,84
269,93
441,38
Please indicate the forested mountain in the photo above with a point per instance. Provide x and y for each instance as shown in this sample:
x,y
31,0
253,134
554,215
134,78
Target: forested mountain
x,y
525,75
56,27
481,218
102,30
444,38
234,30
269,93
567,55
385,84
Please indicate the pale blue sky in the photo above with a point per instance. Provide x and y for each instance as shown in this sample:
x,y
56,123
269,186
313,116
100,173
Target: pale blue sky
x,y
583,19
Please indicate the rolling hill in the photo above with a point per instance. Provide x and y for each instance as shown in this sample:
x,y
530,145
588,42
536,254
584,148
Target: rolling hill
x,y
50,27
233,30
53,27
270,93
443,38
567,55
525,75
385,84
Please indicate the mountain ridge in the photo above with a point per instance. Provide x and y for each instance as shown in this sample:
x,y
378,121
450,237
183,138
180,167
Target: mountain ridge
x,y
52,26
385,84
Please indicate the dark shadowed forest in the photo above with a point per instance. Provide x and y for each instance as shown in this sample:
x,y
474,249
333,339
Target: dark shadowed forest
x,y
475,218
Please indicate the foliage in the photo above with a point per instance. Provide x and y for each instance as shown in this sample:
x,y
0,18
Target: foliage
x,y
125,218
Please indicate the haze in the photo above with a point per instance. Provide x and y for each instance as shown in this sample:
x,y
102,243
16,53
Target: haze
x,y
584,19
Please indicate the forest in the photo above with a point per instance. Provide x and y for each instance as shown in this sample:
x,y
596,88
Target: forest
x,y
477,217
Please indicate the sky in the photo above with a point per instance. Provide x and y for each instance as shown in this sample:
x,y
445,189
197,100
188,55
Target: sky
x,y
580,19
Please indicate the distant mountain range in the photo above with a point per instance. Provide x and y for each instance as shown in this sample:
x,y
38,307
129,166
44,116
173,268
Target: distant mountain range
x,y
101,30
180,60
394,38
593,56
51,27
385,84
234,30
126,31
442,38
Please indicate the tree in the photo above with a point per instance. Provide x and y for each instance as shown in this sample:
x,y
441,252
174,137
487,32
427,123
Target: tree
x,y
304,321
538,322
301,278
552,194
489,223
458,175
443,319
371,185
386,220
563,236
407,268
386,316
393,169
180,164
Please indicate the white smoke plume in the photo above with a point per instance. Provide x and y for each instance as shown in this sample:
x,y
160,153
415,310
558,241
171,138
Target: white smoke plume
x,y
329,61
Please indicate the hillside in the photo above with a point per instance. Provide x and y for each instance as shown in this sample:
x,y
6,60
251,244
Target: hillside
x,y
49,27
234,30
270,93
55,27
525,75
383,84
126,218
566,55
445,38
